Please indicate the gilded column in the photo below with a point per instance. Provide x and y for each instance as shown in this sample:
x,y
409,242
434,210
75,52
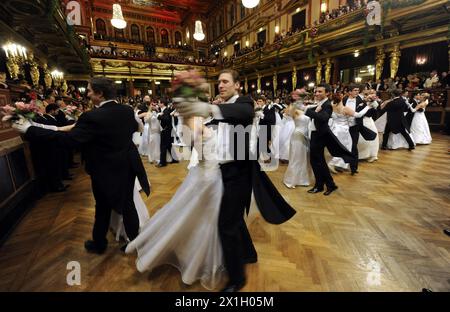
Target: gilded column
x,y
395,60
246,85
319,72
294,78
379,62
275,83
328,70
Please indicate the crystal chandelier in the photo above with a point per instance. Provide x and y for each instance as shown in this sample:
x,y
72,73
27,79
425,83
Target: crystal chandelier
x,y
117,20
249,4
199,35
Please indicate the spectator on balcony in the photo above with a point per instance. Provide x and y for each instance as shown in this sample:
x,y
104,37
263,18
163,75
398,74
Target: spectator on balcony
x,y
432,81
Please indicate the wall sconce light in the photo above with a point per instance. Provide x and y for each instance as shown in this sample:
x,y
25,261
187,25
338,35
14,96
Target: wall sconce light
x,y
306,77
356,53
253,86
420,60
277,29
267,84
358,79
247,43
323,6
284,81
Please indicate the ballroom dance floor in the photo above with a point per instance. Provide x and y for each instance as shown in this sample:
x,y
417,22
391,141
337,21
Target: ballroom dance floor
x,y
381,231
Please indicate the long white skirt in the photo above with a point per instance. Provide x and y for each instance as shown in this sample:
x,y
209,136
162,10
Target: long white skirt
x,y
420,130
144,147
299,169
343,135
154,146
116,223
287,128
368,149
396,141
184,233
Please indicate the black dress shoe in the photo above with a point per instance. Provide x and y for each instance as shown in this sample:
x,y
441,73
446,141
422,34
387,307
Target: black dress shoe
x,y
92,246
315,190
447,232
354,172
330,190
174,162
426,290
234,287
411,148
384,148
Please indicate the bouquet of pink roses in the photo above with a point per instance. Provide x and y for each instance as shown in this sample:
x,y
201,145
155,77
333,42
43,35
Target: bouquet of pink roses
x,y
19,111
189,85
72,111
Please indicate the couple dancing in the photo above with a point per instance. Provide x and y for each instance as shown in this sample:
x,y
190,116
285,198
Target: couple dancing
x,y
201,230
202,234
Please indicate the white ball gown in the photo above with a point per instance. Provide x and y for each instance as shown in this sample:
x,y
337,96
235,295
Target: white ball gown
x,y
184,233
116,223
287,128
369,149
144,147
420,130
298,171
339,125
154,138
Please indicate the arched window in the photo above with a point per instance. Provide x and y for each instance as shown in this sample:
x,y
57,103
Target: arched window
x,y
119,34
150,35
232,19
178,38
100,26
135,35
164,36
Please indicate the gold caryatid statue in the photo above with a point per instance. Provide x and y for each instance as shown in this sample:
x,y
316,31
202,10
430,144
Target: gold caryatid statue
x,y
379,62
275,83
328,70
395,60
294,78
47,77
319,72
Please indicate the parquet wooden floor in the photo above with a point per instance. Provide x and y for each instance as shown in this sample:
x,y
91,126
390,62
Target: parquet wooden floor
x,y
381,231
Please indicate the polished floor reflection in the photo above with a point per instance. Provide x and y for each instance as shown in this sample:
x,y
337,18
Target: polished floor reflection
x,y
381,231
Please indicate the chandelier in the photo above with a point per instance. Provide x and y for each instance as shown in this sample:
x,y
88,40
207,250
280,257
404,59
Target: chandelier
x,y
117,19
249,4
13,50
57,76
199,35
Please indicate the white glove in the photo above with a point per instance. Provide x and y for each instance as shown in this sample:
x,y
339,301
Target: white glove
x,y
48,127
21,125
188,109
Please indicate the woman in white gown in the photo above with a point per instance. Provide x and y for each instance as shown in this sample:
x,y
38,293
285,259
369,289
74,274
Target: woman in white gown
x,y
420,130
184,233
339,125
369,149
154,137
298,171
144,147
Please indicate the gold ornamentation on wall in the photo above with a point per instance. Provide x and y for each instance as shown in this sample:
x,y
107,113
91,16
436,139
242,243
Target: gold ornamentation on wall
x,y
379,62
328,70
258,82
47,77
294,78
395,60
246,85
13,68
319,72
